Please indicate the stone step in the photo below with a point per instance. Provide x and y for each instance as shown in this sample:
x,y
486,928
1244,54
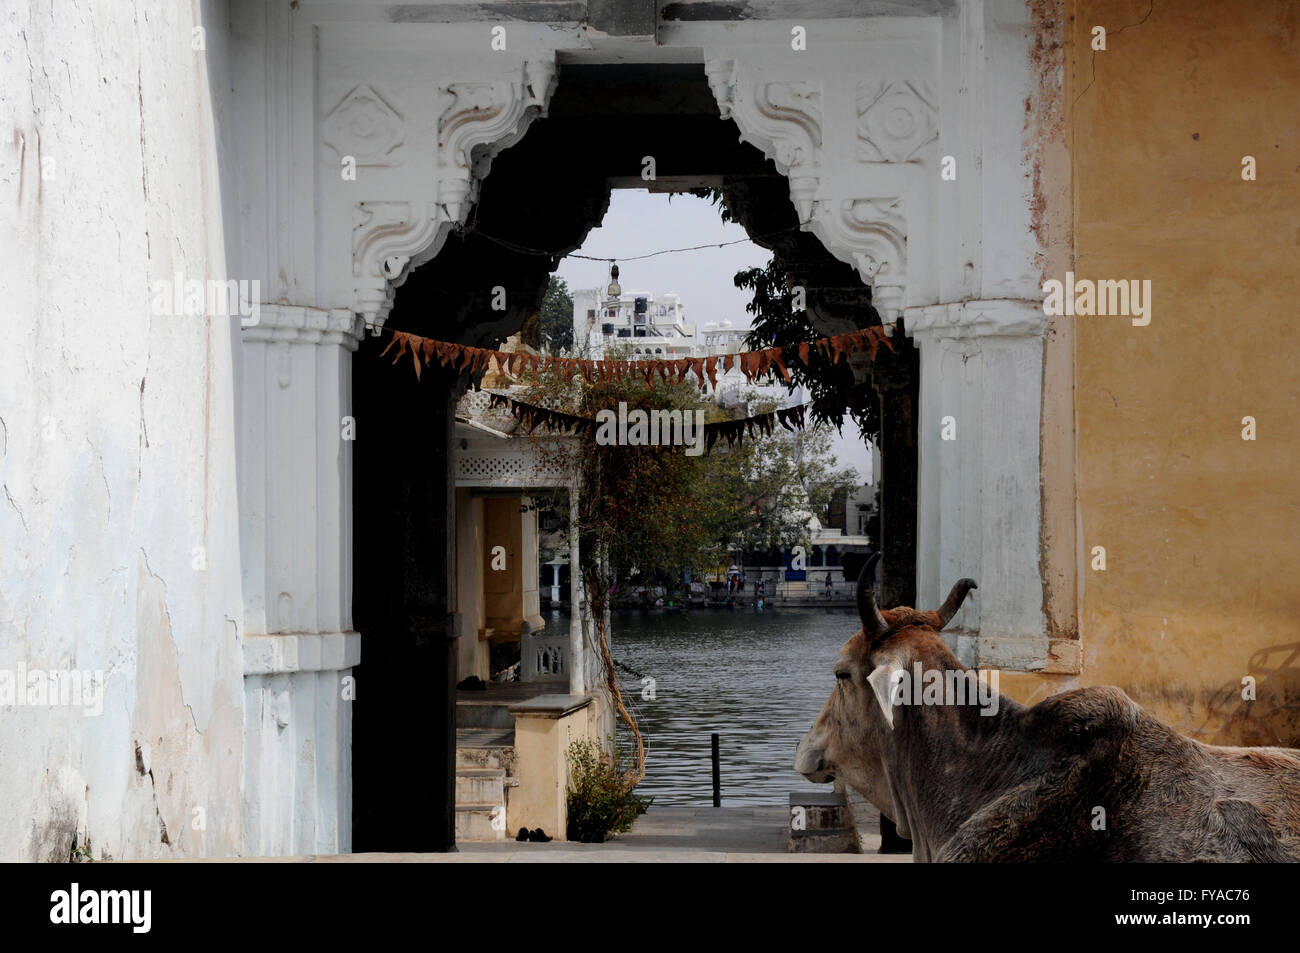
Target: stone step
x,y
480,822
486,749
821,812
476,714
824,842
480,785
822,823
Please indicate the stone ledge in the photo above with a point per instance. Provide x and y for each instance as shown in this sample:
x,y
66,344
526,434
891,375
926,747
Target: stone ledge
x,y
1053,656
969,319
306,325
550,706
282,652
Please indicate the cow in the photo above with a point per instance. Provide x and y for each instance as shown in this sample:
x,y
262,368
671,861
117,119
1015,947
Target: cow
x,y
1085,775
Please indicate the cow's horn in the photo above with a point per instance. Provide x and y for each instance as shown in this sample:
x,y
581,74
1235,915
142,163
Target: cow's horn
x,y
873,622
955,599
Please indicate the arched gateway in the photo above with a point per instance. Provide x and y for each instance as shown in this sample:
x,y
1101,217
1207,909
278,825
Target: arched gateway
x,y
916,150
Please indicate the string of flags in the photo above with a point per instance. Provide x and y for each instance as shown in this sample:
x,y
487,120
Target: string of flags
x,y
755,365
533,416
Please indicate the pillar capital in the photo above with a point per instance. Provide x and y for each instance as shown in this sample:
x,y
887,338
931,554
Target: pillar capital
x,y
970,319
296,324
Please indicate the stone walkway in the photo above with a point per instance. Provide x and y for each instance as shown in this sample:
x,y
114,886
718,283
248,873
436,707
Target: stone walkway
x,y
662,835
668,833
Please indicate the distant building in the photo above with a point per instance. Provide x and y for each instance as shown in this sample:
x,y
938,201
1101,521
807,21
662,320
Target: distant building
x,y
655,326
657,329
851,511
722,338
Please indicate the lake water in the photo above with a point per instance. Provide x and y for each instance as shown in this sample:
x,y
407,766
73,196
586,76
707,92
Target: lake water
x,y
759,679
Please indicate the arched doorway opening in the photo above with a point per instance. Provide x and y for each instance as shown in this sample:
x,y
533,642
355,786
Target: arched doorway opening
x,y
544,194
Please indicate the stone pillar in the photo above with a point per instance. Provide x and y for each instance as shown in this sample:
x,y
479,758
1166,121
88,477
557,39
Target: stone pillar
x,y
981,386
530,570
895,377
427,643
299,648
577,659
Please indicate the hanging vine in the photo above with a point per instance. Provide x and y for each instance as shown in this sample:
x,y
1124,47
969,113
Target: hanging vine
x,y
596,580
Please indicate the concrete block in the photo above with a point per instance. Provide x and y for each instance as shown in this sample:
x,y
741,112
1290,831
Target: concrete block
x,y
824,842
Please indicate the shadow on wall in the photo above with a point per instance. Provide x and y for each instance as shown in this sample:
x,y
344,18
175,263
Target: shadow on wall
x,y
1273,717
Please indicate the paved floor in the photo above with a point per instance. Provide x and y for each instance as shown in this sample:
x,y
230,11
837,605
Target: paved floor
x,y
662,835
720,830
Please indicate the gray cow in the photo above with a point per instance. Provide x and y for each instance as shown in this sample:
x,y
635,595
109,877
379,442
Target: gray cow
x,y
1084,775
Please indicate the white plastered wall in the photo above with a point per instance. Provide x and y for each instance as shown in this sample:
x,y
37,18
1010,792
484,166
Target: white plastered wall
x,y
119,512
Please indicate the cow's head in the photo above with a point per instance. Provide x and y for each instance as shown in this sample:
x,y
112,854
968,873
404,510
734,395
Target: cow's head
x,y
846,742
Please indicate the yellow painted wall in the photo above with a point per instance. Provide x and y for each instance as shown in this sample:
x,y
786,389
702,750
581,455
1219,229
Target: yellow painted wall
x,y
503,585
542,749
1202,585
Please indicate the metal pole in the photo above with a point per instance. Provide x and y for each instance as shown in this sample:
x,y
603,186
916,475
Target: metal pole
x,y
717,774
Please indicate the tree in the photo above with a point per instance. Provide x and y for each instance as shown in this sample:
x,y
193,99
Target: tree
x,y
557,316
834,389
658,510
633,504
775,486
640,505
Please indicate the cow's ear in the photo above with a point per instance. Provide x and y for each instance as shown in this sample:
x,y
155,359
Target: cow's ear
x,y
885,681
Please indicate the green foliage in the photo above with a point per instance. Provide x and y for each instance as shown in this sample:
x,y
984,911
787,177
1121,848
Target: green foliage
x,y
639,505
80,853
601,801
657,511
557,316
713,197
832,387
775,485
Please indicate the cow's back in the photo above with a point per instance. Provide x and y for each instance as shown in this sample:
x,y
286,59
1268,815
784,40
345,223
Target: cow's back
x,y
1259,800
1163,796
1198,802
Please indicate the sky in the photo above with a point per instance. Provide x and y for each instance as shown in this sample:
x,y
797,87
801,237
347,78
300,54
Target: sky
x,y
639,222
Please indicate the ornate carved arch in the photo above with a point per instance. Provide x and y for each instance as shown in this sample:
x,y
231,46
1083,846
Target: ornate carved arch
x,y
477,120
856,223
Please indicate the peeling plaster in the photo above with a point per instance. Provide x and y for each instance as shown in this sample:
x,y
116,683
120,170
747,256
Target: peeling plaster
x,y
71,596
167,658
